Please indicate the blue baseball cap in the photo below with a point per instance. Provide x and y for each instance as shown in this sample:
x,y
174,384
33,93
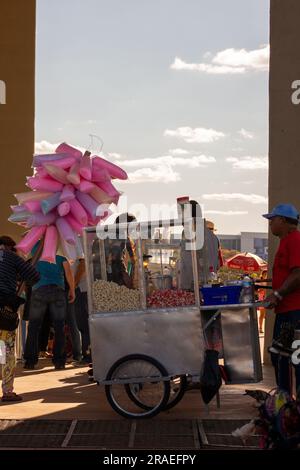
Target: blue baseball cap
x,y
283,210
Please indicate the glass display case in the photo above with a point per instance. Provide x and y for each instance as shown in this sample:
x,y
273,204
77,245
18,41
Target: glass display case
x,y
138,302
142,266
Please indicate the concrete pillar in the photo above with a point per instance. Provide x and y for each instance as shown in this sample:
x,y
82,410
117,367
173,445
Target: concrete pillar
x,y
284,115
17,71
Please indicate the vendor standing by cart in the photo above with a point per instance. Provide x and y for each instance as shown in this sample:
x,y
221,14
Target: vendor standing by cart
x,y
285,299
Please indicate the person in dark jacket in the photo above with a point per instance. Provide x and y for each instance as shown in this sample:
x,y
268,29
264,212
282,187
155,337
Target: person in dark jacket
x,y
13,269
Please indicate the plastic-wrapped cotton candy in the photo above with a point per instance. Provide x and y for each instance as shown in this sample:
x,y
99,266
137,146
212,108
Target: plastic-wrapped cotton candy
x,y
65,148
100,196
30,239
86,186
18,209
33,206
63,163
67,190
32,196
39,160
65,231
50,245
63,209
109,189
57,173
78,212
19,217
50,203
68,193
85,169
76,226
100,176
73,175
44,184
89,204
114,170
41,219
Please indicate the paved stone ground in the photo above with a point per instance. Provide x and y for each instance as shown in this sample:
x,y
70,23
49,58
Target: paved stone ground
x,y
62,409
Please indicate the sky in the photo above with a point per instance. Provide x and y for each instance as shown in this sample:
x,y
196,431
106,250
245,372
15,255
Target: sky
x,y
175,90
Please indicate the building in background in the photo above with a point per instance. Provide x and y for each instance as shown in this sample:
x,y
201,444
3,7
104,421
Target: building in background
x,y
251,242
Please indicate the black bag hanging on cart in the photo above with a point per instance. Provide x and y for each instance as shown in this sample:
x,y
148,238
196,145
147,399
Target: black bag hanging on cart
x,y
211,379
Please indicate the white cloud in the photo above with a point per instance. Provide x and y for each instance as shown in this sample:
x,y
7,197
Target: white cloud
x,y
161,174
44,146
116,156
179,151
170,161
249,198
230,213
91,121
180,64
248,163
196,135
229,61
246,134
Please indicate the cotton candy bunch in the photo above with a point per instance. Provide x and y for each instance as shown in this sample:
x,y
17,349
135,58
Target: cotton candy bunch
x,y
69,191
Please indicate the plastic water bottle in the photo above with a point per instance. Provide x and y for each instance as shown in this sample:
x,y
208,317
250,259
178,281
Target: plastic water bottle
x,y
247,291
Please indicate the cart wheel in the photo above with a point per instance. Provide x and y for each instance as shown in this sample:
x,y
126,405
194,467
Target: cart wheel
x,y
177,390
154,392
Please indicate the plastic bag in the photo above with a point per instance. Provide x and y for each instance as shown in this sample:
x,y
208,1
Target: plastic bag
x,y
211,379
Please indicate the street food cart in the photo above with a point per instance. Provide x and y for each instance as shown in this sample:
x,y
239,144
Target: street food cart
x,y
147,335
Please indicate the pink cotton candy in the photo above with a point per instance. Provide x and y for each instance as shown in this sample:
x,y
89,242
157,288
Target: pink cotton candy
x,y
76,226
65,230
44,184
40,171
50,203
86,186
63,209
89,204
57,173
40,219
33,206
114,170
73,175
30,239
85,169
32,196
100,176
44,158
64,163
68,193
109,189
65,148
18,209
100,196
78,212
50,245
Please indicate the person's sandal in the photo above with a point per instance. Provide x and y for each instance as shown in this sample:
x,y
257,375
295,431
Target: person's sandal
x,y
11,397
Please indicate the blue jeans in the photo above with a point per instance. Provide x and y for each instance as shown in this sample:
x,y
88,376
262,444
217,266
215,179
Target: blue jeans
x,y
82,318
74,331
53,298
281,363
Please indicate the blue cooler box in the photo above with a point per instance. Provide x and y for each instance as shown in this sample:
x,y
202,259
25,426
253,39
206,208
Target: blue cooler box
x,y
221,295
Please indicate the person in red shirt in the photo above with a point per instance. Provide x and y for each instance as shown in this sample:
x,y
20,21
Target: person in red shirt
x,y
285,298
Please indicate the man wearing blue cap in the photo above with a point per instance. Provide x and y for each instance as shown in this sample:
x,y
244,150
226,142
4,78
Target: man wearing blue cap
x,y
285,298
